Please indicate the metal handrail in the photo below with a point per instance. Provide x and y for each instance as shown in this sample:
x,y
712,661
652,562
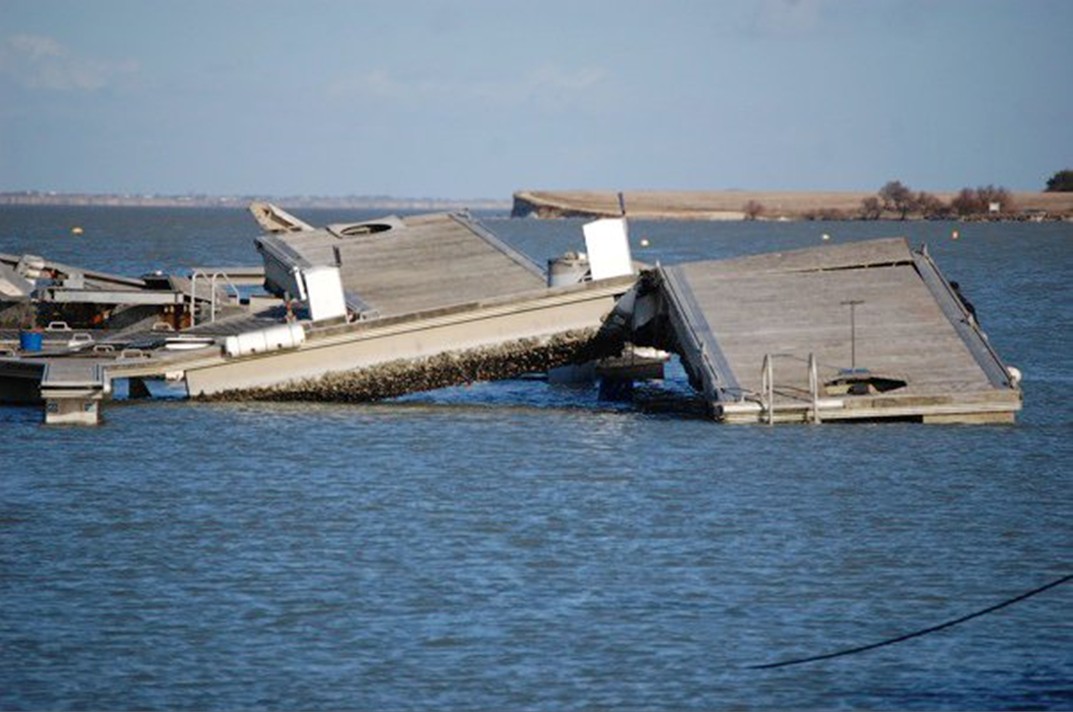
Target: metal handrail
x,y
212,293
193,295
767,386
814,387
212,288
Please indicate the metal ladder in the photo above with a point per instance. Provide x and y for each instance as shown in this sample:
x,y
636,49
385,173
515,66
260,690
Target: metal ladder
x,y
767,387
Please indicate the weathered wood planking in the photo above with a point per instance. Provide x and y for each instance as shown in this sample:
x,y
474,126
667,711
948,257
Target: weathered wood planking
x,y
426,262
795,304
899,327
879,252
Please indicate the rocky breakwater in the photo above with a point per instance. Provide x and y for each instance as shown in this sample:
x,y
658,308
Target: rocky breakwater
x,y
396,378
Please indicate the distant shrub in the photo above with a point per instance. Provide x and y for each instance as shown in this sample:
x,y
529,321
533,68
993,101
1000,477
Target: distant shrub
x,y
1061,182
931,206
966,203
898,198
985,200
753,210
871,208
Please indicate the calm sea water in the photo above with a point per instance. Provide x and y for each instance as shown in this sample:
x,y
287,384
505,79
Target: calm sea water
x,y
521,546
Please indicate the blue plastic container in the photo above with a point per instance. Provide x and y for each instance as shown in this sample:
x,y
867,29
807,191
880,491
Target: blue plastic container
x,y
30,340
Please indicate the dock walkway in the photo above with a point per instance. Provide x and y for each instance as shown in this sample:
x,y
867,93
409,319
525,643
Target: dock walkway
x,y
433,300
887,336
404,265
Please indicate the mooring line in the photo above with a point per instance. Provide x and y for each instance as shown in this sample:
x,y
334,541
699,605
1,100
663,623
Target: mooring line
x,y
916,634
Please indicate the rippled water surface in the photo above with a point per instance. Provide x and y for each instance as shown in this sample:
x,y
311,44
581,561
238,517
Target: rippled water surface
x,y
524,546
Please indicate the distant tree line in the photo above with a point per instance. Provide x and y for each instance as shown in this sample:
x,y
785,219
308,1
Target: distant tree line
x,y
898,200
1060,182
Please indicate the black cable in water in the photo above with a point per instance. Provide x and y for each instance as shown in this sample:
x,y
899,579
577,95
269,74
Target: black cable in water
x,y
916,634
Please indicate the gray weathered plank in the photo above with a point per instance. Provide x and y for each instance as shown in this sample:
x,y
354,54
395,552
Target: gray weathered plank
x,y
795,304
427,262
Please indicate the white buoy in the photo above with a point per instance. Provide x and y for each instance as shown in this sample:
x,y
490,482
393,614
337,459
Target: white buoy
x,y
955,235
826,237
1015,375
644,242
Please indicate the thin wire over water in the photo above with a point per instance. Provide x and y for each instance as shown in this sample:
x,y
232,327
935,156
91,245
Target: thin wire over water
x,y
918,633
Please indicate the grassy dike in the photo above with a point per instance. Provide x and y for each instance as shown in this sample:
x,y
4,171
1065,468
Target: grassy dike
x,y
732,204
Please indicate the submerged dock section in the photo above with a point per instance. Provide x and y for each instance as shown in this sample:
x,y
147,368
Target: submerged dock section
x,y
860,331
370,310
399,305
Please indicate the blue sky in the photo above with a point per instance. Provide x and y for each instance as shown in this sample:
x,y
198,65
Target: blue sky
x,y
478,98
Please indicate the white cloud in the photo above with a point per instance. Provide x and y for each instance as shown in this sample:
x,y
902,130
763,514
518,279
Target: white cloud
x,y
39,62
555,79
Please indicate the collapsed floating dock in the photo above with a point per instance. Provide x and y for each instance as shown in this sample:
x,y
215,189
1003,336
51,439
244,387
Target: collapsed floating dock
x,y
371,310
360,312
405,304
860,331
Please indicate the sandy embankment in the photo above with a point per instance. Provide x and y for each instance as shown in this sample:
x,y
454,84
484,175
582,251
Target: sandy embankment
x,y
731,204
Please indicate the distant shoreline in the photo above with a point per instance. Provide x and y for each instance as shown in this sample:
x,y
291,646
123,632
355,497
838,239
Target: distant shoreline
x,y
242,201
652,205
735,205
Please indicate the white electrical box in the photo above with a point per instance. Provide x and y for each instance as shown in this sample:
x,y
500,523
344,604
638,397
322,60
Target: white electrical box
x,y
608,246
324,293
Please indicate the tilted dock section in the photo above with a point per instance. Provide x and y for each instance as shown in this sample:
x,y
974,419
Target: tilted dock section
x,y
391,356
426,301
860,331
396,266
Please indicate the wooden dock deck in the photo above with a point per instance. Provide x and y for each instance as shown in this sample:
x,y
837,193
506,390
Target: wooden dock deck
x,y
434,300
869,315
399,266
